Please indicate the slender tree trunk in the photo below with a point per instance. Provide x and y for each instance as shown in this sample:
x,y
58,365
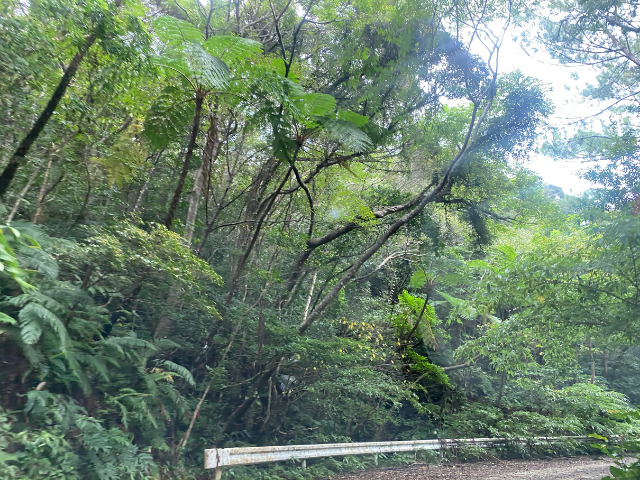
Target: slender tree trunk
x,y
604,360
593,364
187,160
306,306
211,151
255,218
147,182
27,142
212,147
39,215
503,378
21,195
80,218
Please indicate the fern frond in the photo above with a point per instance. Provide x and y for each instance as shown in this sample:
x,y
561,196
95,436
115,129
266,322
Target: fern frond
x,y
94,362
349,135
353,117
49,303
314,104
4,318
30,326
179,369
79,375
168,117
232,49
194,63
71,295
173,31
34,314
20,300
206,68
33,355
166,344
40,261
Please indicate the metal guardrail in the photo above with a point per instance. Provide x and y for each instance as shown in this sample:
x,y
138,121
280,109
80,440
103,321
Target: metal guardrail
x,y
225,457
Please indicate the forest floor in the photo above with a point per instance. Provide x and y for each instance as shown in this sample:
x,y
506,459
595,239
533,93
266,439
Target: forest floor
x,y
579,468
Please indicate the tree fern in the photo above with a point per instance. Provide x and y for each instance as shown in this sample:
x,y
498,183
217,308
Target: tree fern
x,y
231,49
186,55
168,117
347,133
314,104
175,32
207,69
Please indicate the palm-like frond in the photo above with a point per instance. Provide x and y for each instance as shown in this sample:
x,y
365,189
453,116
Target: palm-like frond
x,y
33,317
314,104
231,49
168,117
349,134
179,369
207,69
173,31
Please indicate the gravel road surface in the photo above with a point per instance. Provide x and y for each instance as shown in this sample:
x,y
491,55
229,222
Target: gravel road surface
x,y
579,468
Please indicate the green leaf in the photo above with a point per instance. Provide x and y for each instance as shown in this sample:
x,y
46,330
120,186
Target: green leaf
x,y
418,279
207,69
353,117
314,104
174,31
168,117
349,134
180,370
4,318
30,329
32,316
232,49
452,300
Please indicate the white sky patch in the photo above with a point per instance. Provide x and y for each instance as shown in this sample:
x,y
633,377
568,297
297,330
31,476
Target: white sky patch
x,y
569,107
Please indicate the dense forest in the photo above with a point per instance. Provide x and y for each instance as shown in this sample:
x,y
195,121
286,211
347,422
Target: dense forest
x,y
281,222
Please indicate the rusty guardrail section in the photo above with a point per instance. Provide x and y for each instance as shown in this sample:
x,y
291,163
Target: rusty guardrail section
x,y
225,457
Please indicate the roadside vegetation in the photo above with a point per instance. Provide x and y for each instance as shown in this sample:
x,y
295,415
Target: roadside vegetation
x,y
285,222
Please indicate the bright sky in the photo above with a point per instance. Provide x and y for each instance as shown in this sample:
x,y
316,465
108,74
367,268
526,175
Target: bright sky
x,y
569,106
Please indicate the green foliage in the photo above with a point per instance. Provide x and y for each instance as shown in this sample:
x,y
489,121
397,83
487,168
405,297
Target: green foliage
x,y
93,452
624,453
327,180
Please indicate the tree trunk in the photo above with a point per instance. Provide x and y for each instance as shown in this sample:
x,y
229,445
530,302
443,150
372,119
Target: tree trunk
x,y
308,304
147,182
255,210
39,215
80,218
211,151
27,142
503,378
593,364
187,160
21,195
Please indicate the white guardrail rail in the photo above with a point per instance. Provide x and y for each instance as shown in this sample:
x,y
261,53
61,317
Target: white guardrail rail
x,y
226,457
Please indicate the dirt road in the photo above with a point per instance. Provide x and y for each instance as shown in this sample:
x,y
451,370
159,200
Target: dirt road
x,y
581,468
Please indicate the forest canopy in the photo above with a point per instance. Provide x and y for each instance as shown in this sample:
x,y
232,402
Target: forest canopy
x,y
286,222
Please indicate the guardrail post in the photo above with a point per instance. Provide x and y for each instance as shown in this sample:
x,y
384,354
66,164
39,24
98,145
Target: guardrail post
x,y
304,464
